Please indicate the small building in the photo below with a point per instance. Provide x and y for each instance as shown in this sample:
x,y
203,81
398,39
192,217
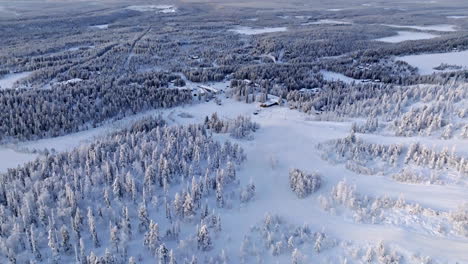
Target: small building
x,y
198,92
269,103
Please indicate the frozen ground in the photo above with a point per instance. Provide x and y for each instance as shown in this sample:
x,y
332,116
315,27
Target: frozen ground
x,y
328,21
8,12
10,158
334,76
457,17
103,26
8,81
257,31
442,28
407,35
427,62
153,8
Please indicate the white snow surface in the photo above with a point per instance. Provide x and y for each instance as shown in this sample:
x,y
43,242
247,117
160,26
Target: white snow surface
x,y
156,8
103,26
7,81
407,35
427,62
74,80
10,158
328,21
334,76
457,17
442,28
256,31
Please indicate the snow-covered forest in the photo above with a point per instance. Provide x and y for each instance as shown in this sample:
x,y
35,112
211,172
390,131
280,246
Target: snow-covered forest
x,y
230,131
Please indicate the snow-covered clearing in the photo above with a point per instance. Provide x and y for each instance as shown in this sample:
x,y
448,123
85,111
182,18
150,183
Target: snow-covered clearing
x,y
442,28
335,76
457,17
103,26
74,80
426,63
8,81
153,8
7,12
257,31
407,35
328,21
10,158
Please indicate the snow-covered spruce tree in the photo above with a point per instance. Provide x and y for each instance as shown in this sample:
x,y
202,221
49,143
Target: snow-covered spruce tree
x,y
90,194
204,238
247,193
152,238
239,127
303,183
296,257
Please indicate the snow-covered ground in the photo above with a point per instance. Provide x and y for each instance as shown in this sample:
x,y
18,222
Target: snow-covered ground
x,y
426,63
7,12
328,21
442,28
103,26
457,17
74,80
7,82
335,76
10,158
153,8
257,31
407,35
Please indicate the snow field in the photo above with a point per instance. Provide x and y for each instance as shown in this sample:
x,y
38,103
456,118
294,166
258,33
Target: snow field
x,y
256,31
157,8
407,35
426,63
442,28
8,81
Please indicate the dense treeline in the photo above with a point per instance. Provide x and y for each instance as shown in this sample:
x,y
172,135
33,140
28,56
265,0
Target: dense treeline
x,y
30,114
